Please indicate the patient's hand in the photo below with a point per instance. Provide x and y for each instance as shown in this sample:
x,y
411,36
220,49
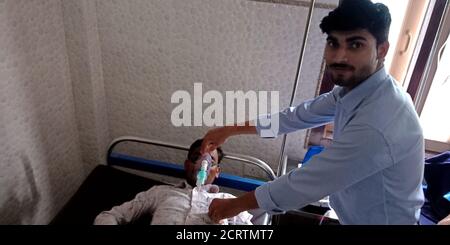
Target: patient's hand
x,y
445,221
212,188
105,218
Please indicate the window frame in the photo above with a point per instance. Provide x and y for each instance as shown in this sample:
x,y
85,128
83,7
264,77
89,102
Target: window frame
x,y
426,65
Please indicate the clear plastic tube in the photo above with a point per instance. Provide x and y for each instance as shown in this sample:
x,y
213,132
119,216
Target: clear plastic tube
x,y
203,172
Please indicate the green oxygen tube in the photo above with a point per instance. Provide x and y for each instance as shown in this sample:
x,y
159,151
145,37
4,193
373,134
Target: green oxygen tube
x,y
203,172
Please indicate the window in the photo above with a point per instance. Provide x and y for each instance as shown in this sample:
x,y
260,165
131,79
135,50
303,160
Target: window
x,y
407,19
398,10
432,95
435,118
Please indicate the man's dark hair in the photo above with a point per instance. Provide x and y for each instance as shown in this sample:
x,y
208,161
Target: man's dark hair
x,y
194,151
359,14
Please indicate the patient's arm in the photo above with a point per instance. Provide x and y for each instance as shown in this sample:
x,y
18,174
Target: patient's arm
x,y
143,204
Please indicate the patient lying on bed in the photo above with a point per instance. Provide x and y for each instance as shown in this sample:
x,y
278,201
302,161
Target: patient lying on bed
x,y
176,205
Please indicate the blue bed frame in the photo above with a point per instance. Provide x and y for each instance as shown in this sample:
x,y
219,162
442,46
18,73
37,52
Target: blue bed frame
x,y
176,170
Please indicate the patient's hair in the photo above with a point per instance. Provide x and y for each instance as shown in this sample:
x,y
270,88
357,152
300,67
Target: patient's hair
x,y
194,151
359,14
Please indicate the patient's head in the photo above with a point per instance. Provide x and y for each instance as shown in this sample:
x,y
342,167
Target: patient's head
x,y
192,164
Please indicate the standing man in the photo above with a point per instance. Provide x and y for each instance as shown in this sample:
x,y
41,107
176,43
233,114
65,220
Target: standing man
x,y
373,169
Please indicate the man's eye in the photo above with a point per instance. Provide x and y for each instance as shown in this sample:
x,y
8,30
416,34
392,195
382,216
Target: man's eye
x,y
331,44
356,45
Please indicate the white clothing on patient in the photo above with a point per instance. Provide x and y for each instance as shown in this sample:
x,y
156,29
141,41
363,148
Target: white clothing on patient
x,y
170,205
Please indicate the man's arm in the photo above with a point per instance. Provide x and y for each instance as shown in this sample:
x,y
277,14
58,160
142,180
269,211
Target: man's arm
x,y
216,137
308,114
353,157
358,153
143,204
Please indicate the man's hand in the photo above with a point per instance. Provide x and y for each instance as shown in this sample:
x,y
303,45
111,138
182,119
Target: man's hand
x,y
216,137
220,209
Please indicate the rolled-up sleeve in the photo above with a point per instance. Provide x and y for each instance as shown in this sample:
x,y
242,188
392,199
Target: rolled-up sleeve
x,y
308,114
350,159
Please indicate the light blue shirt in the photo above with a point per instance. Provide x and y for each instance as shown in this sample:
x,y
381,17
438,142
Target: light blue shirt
x,y
373,169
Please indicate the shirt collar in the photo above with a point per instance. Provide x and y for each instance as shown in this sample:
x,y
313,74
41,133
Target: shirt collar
x,y
211,188
184,185
354,97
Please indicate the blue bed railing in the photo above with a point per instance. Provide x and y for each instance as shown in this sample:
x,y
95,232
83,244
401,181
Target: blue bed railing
x,y
176,170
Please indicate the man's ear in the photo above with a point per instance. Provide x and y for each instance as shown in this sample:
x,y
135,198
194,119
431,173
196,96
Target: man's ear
x,y
218,172
382,50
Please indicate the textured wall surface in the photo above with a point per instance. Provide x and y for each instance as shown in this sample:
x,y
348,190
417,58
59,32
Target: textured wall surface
x,y
86,72
150,49
75,74
40,159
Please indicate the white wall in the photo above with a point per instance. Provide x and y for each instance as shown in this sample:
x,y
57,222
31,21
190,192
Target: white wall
x,y
40,159
150,49
86,72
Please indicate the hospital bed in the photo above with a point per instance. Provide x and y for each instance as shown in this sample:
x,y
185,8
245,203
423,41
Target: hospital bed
x,y
110,185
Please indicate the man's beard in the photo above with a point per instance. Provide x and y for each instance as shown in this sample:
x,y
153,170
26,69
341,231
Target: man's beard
x,y
339,79
352,81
